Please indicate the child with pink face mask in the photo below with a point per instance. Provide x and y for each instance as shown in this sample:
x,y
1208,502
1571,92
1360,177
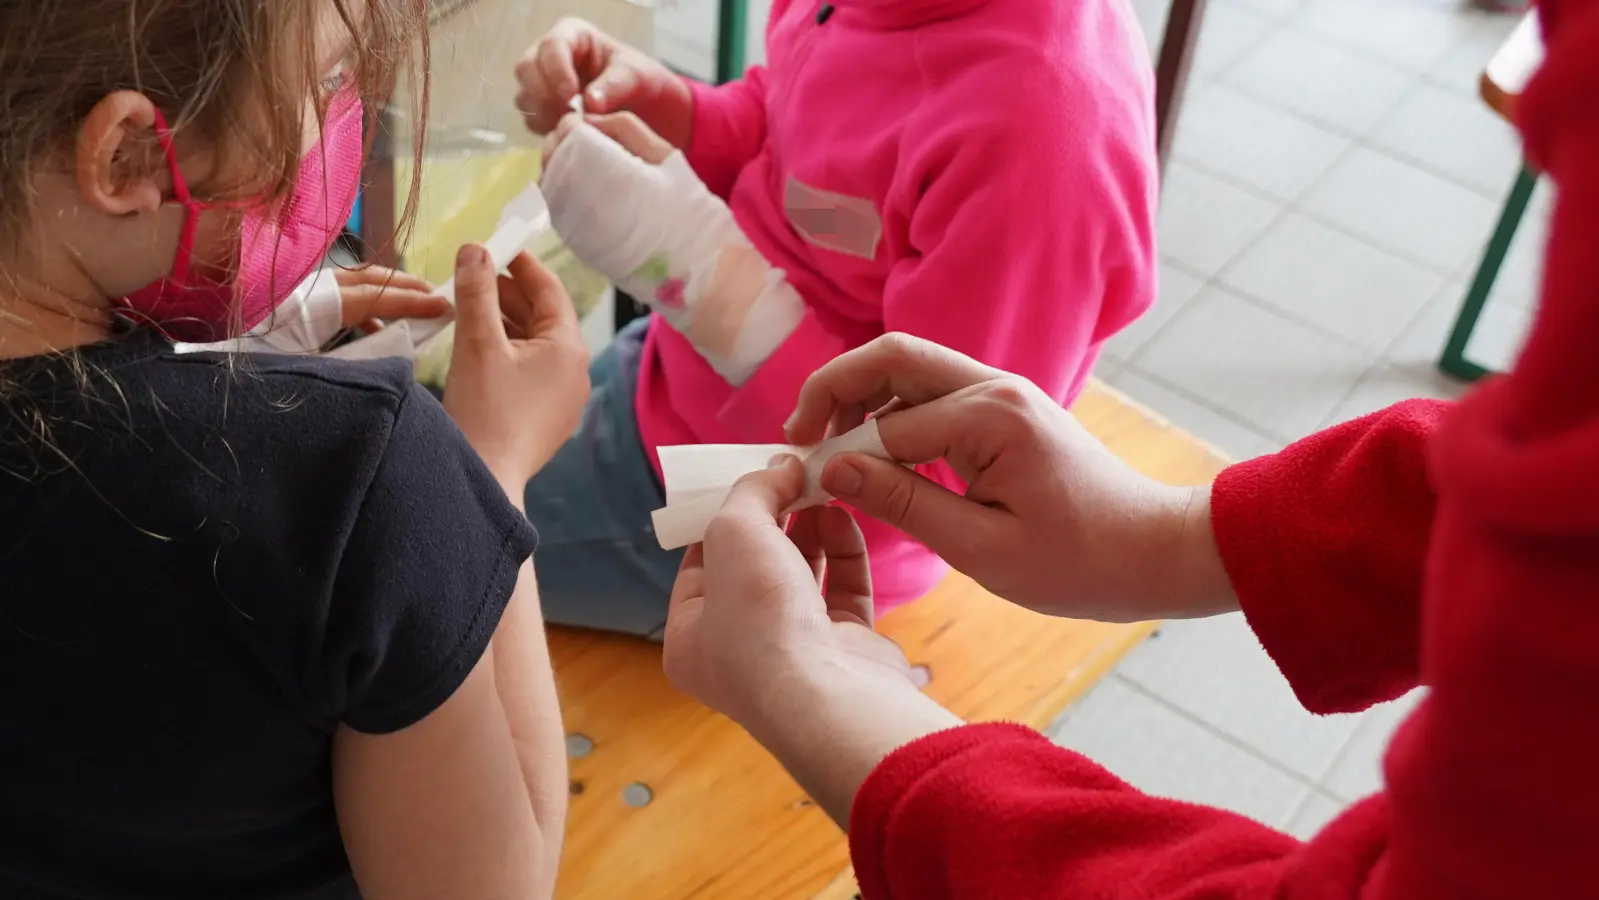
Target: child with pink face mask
x,y
270,627
979,173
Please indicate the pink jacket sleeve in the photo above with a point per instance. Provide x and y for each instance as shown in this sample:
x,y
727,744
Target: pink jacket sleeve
x,y
729,129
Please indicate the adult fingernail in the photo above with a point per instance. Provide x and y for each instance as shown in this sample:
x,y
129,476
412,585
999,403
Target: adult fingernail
x,y
471,255
779,461
842,478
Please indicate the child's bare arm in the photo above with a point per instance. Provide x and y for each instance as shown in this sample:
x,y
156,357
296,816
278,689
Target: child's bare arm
x,y
467,802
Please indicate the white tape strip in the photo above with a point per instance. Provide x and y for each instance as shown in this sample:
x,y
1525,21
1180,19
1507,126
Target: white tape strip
x,y
524,217
698,477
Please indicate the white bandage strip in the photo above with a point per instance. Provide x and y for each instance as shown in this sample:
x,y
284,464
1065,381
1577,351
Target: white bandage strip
x,y
699,476
525,216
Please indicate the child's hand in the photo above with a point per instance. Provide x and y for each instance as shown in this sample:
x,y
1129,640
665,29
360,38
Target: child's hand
x,y
624,128
576,57
519,373
370,295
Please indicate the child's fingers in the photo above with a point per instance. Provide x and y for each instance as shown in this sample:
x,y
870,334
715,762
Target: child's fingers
x,y
542,308
631,132
477,296
383,276
548,81
552,141
375,301
393,304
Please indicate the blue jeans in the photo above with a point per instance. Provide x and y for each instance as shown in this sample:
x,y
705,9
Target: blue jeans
x,y
598,562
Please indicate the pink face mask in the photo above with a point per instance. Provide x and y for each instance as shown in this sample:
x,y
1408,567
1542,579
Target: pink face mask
x,y
279,247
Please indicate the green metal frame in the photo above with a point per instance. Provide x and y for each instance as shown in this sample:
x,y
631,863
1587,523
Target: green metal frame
x,y
1454,361
732,30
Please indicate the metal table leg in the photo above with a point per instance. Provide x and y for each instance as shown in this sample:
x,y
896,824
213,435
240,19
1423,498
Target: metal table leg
x,y
1176,59
1454,361
732,27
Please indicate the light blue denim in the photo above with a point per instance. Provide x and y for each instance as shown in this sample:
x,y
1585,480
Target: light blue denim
x,y
598,562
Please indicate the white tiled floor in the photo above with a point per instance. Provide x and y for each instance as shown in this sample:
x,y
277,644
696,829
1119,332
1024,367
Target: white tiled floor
x,y
1335,180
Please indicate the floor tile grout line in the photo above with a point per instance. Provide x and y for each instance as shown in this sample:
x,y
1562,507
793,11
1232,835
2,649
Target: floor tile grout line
x,y
1216,280
1369,142
1311,31
1321,330
1299,810
1227,737
1338,759
1362,139
1377,358
1317,792
1418,81
1232,417
1308,115
1273,28
1232,180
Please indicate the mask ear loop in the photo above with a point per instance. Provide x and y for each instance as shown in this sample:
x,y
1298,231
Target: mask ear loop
x,y
180,191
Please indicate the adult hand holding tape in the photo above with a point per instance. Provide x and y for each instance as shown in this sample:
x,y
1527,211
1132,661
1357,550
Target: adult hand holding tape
x,y
698,477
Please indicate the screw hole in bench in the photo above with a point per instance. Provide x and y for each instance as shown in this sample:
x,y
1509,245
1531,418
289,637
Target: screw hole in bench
x,y
637,795
578,746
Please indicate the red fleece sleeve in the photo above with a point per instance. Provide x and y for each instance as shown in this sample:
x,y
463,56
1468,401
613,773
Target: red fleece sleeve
x,y
1491,792
1325,544
991,811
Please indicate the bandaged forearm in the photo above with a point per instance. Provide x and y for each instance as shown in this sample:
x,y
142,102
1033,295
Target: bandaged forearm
x,y
661,236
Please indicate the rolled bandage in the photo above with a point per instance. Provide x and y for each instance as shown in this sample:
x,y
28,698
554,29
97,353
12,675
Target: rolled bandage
x,y
660,235
698,478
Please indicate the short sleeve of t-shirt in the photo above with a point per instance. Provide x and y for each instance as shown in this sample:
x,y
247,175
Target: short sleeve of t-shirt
x,y
429,565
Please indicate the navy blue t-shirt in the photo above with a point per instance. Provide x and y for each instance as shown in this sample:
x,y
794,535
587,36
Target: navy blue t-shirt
x,y
206,566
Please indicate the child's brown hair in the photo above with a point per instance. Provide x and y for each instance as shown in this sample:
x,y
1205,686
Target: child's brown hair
x,y
226,69
235,73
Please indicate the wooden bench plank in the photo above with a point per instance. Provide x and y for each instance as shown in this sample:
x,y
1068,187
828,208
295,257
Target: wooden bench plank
x,y
724,821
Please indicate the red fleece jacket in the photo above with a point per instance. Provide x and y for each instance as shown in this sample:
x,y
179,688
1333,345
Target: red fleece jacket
x,y
1456,547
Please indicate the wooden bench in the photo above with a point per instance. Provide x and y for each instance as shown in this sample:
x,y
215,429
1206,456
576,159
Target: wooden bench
x,y
671,801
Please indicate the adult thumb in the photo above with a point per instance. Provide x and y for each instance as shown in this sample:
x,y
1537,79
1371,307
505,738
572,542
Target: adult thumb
x,y
927,511
764,496
477,295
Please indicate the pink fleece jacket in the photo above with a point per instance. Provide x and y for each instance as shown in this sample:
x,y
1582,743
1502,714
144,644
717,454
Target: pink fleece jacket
x,y
980,173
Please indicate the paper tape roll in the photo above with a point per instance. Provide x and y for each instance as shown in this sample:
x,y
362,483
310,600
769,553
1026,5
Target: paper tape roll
x,y
698,477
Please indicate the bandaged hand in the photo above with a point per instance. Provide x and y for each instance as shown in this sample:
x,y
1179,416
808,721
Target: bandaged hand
x,y
332,300
627,204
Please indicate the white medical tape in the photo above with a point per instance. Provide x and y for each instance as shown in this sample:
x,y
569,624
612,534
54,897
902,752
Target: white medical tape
x,y
698,478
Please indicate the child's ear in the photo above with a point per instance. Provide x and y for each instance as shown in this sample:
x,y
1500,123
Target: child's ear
x,y
121,168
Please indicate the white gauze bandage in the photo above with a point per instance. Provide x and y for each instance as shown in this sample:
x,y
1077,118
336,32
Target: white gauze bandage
x,y
698,477
660,235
